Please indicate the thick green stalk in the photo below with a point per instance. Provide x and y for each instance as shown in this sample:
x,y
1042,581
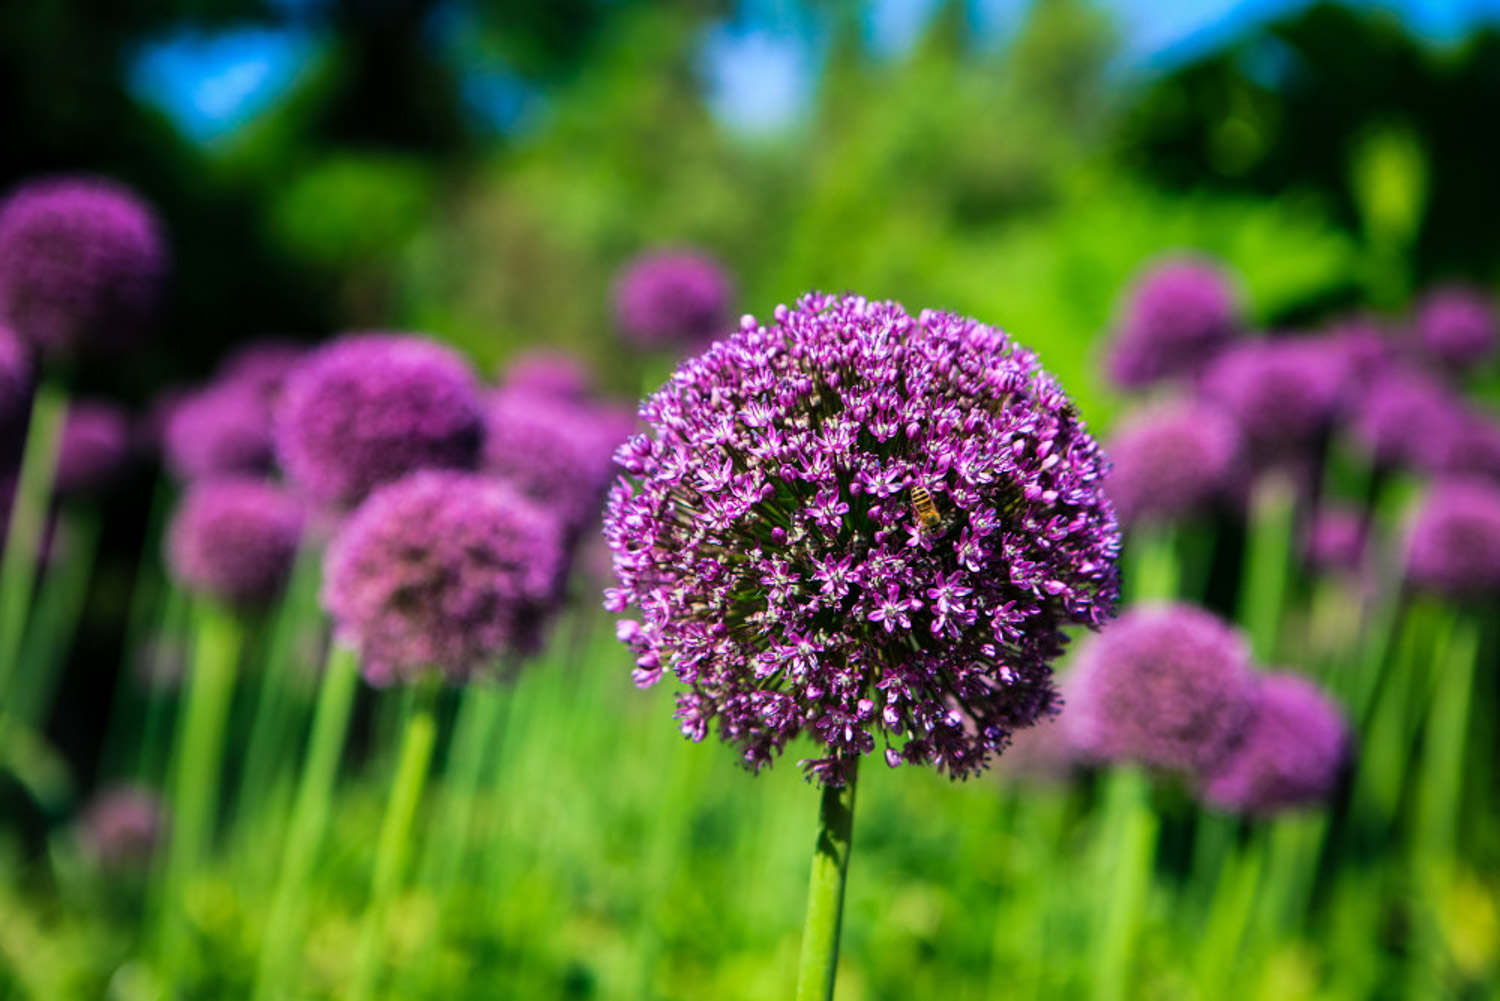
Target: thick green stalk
x,y
1446,739
1267,561
1154,571
1223,931
393,848
1131,828
825,893
54,617
480,711
309,821
198,760
28,518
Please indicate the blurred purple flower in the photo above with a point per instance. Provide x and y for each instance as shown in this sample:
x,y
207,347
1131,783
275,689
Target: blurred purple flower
x,y
82,264
1404,417
95,447
370,408
235,539
263,366
673,299
123,827
1179,315
549,373
1453,547
222,429
1335,539
15,380
1283,393
1167,686
1456,325
1172,460
769,539
443,571
1292,753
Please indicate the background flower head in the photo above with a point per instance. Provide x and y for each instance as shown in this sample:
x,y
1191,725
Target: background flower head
x,y
218,430
673,299
95,447
1178,316
1453,545
1173,459
1456,325
235,538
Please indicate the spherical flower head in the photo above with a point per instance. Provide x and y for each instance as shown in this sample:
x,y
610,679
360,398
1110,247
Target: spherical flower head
x,y
1282,393
370,408
1404,417
263,366
1179,315
82,263
1456,326
1292,753
235,538
1467,443
861,526
15,378
1453,545
1172,460
123,827
443,570
554,451
1335,539
1166,686
549,373
95,447
673,299
220,430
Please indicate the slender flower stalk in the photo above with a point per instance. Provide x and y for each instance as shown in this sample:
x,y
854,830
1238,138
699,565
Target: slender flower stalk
x,y
56,609
1267,564
825,892
1128,837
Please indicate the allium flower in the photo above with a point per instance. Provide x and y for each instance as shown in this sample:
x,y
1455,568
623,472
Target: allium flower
x,y
1335,539
1283,393
235,538
1292,753
1167,686
81,264
549,373
15,377
263,366
370,408
1456,325
1467,443
675,299
1402,417
219,430
1179,316
443,570
556,452
123,827
782,570
1171,460
95,447
1453,546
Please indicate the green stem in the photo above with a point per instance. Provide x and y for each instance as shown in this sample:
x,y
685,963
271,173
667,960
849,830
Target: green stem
x,y
1155,574
1132,828
394,846
1440,791
480,710
54,617
198,760
1224,930
28,515
309,822
1267,559
152,751
825,893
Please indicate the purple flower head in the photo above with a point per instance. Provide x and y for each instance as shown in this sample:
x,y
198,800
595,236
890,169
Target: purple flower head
x,y
235,539
1453,546
15,378
219,430
443,570
1335,539
123,827
1292,753
1404,417
673,299
1172,460
95,447
1283,393
1179,315
370,408
1456,326
263,366
554,451
81,264
769,539
1168,686
549,373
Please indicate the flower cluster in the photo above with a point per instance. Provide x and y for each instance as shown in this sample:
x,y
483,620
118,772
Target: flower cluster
x,y
1456,326
1283,393
673,299
95,447
860,525
369,408
82,263
549,373
1172,460
1453,547
445,571
1335,539
1178,317
235,539
221,429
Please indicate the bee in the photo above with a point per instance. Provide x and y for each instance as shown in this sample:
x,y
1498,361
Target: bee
x,y
925,509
